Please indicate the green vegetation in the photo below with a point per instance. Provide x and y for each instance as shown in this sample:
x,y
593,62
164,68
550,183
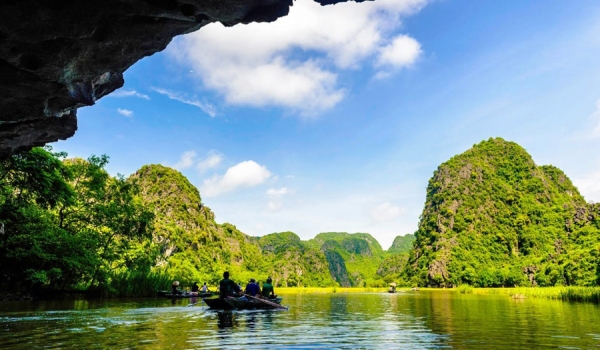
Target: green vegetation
x,y
570,293
68,225
353,258
493,218
402,244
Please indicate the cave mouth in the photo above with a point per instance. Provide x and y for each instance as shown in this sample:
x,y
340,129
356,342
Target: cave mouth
x,y
59,55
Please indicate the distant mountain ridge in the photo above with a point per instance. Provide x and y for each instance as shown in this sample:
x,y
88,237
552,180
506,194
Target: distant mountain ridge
x,y
195,248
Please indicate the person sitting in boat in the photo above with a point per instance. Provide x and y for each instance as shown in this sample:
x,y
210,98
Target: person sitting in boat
x,y
267,290
227,287
174,289
204,288
195,289
252,288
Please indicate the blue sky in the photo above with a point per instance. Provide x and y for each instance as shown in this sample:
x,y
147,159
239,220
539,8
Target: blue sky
x,y
334,118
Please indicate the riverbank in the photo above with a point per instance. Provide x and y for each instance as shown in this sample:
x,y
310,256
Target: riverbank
x,y
585,294
316,290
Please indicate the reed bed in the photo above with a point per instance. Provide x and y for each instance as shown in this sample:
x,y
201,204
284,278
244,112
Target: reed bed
x,y
138,284
585,294
317,290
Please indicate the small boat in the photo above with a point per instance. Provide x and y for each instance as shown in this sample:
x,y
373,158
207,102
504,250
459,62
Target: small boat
x,y
168,294
392,288
242,303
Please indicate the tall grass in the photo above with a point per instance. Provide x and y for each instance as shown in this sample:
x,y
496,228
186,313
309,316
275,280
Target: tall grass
x,y
584,294
465,289
316,290
138,284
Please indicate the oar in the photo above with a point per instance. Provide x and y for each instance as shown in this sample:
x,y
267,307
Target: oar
x,y
267,302
196,302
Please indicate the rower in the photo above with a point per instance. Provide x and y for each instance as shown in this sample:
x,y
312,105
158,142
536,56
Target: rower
x,y
174,289
227,287
195,287
204,288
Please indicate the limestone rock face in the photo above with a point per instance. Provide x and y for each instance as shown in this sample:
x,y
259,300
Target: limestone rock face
x,y
59,55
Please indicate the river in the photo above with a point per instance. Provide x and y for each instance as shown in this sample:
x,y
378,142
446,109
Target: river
x,y
405,320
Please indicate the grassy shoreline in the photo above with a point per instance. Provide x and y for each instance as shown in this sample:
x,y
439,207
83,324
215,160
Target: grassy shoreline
x,y
580,294
320,290
585,294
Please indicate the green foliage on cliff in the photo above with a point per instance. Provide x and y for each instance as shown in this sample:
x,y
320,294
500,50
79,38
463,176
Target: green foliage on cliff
x,y
294,263
402,244
353,258
492,217
195,248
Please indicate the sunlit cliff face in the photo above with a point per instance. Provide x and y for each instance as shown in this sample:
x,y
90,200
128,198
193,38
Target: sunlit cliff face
x,y
59,55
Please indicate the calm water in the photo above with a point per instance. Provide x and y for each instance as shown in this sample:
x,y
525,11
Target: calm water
x,y
411,320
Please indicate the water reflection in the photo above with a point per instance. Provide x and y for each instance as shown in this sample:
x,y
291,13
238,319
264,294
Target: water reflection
x,y
424,320
225,319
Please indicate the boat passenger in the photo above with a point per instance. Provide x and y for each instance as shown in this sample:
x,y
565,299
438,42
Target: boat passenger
x,y
204,288
195,287
174,289
267,290
227,287
252,288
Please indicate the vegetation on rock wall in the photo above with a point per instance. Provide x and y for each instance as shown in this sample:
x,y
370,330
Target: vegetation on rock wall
x,y
494,218
402,244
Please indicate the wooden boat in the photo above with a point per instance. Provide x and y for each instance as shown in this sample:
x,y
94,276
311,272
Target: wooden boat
x,y
242,303
167,294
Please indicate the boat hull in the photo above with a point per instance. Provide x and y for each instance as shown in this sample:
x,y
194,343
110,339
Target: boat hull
x,y
239,303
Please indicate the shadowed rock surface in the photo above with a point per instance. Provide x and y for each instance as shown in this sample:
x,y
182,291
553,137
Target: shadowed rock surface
x,y
59,55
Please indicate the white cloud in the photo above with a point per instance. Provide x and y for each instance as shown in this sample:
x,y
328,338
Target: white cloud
x,y
275,201
280,192
403,51
129,93
210,162
589,186
294,62
245,174
386,211
125,112
596,119
192,101
186,160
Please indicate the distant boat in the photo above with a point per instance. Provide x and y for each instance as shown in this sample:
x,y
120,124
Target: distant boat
x,y
392,288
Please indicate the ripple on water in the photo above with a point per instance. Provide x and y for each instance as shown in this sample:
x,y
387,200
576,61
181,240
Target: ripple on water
x,y
313,322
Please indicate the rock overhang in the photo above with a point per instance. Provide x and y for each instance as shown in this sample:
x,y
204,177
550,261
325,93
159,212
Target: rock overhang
x,y
59,55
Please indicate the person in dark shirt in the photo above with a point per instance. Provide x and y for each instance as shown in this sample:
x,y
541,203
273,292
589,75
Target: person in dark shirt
x,y
252,288
267,290
227,287
195,287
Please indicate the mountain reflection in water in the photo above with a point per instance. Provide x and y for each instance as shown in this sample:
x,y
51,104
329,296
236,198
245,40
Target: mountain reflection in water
x,y
423,320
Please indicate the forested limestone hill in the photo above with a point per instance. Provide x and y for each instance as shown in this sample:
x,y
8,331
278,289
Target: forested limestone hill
x,y
194,247
353,258
492,217
402,244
